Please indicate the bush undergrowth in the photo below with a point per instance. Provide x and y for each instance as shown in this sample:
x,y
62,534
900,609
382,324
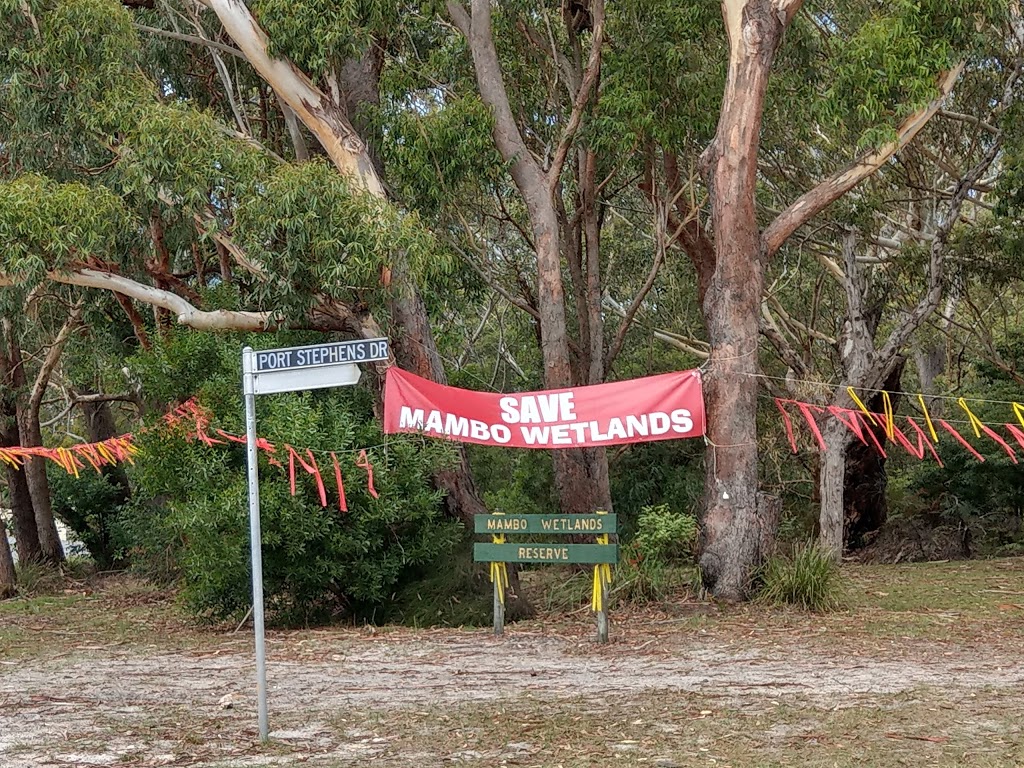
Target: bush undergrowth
x,y
809,579
652,564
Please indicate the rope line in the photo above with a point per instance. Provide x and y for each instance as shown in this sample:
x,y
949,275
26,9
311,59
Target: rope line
x,y
826,385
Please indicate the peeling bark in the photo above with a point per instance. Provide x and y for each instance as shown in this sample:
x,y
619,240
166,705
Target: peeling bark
x,y
730,540
323,118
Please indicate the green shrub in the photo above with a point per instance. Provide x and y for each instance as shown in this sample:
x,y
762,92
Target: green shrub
x,y
188,520
90,505
649,567
810,579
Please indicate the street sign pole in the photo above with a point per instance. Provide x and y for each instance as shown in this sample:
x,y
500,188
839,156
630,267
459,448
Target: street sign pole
x,y
255,541
289,369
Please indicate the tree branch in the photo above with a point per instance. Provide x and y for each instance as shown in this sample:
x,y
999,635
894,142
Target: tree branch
x,y
634,306
102,397
788,9
936,262
187,314
808,205
323,118
770,330
477,31
672,339
53,357
194,39
590,76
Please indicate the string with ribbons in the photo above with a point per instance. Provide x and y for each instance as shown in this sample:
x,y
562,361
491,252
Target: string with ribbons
x,y
912,437
197,425
602,577
197,420
76,457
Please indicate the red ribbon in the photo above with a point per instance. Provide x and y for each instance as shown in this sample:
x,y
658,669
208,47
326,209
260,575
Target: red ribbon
x,y
853,424
342,504
871,433
314,470
805,409
922,437
901,438
364,463
959,437
1017,434
235,438
787,422
998,439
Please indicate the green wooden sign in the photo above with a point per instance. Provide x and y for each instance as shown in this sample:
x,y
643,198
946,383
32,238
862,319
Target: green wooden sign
x,y
580,524
546,553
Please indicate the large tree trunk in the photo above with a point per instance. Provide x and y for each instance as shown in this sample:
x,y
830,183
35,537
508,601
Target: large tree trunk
x,y
8,579
34,468
865,507
831,484
12,379
580,481
39,488
416,351
25,532
731,534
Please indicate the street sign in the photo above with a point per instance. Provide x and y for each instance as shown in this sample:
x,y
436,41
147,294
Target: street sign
x,y
289,369
296,379
318,355
546,553
592,524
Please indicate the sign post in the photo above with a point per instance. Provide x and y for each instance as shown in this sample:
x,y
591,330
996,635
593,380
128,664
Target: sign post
x,y
288,369
497,552
255,540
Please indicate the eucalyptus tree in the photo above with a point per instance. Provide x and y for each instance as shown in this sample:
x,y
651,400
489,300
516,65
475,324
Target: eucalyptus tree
x,y
742,188
885,259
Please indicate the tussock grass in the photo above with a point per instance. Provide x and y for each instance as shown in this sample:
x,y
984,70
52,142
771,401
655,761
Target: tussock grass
x,y
809,579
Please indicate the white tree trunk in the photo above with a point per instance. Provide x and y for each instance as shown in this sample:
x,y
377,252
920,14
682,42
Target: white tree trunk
x,y
831,483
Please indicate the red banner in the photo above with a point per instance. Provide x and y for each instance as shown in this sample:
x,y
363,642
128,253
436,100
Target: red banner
x,y
664,407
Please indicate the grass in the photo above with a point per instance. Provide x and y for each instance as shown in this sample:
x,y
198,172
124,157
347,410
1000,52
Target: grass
x,y
808,579
121,611
965,610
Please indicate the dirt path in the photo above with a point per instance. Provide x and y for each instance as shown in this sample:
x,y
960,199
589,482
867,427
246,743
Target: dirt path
x,y
331,696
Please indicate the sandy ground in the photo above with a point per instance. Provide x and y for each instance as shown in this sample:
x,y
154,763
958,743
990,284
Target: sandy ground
x,y
110,706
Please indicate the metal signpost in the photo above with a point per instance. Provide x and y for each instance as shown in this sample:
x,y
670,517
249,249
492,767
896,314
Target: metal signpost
x,y
288,369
